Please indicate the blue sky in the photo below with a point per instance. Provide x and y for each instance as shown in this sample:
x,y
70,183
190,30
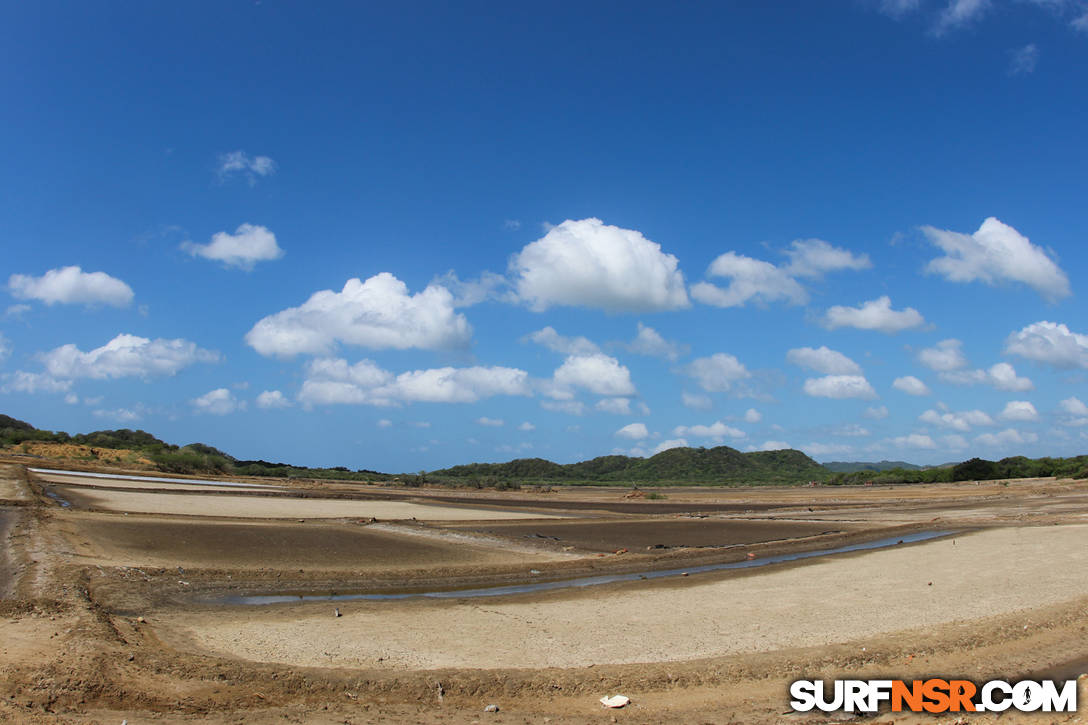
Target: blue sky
x,y
407,236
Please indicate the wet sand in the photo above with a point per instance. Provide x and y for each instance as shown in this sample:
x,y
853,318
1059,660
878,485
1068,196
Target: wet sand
x,y
612,534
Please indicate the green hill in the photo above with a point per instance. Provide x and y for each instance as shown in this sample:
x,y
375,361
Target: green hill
x,y
853,466
676,465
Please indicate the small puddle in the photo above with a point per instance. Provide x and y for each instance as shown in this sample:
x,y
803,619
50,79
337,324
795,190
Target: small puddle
x,y
588,581
65,503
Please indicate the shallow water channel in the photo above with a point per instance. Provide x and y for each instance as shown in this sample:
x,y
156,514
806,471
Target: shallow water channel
x,y
589,581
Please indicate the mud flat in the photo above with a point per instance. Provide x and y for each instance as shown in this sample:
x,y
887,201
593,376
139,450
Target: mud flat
x,y
167,542
613,534
260,507
149,484
820,603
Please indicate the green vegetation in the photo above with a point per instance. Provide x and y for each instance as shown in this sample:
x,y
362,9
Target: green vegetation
x,y
853,466
721,465
702,466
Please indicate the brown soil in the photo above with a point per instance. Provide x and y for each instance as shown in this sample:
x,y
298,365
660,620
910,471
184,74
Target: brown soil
x,y
72,452
99,625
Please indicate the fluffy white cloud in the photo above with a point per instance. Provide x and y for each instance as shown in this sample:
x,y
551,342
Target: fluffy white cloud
x,y
555,342
1051,343
666,445
600,374
961,421
250,243
1002,376
239,162
874,315
716,430
914,440
750,280
853,430
21,381
996,253
1074,406
333,381
271,399
878,412
378,314
752,416
696,402
617,406
217,402
634,431
1009,436
718,372
754,280
527,427
815,257
823,360
71,286
650,342
911,385
588,263
840,387
126,356
490,422
946,355
1019,410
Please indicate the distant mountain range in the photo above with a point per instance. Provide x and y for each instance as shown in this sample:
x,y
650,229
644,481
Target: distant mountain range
x,y
854,466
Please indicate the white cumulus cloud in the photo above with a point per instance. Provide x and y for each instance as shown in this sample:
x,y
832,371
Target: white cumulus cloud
x,y
333,381
71,286
22,381
1001,376
250,243
126,356
490,422
815,257
911,385
874,315
839,387
587,263
717,373
750,280
914,440
666,445
633,431
650,342
877,412
996,253
1050,342
377,314
527,427
600,374
217,402
696,402
752,416
271,399
1019,410
549,338
823,360
946,355
1074,406
717,430
961,421
1007,437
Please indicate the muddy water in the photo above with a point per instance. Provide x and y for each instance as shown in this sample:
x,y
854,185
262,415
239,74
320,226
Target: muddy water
x,y
570,583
